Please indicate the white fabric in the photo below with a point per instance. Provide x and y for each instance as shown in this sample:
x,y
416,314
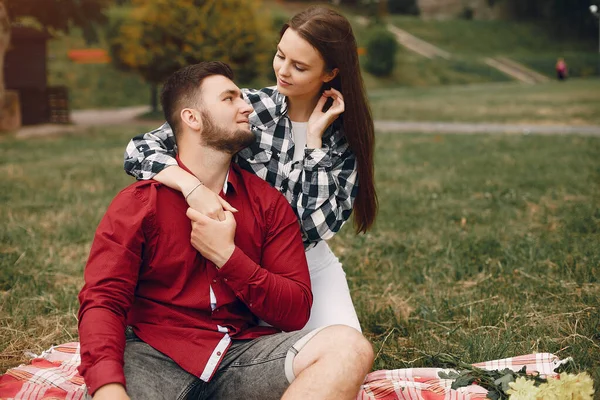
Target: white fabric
x,y
299,138
332,304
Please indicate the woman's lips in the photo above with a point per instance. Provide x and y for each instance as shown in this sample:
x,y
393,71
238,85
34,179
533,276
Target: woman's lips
x,y
283,83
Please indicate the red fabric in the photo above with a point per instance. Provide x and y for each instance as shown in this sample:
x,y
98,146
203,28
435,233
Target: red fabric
x,y
142,271
53,376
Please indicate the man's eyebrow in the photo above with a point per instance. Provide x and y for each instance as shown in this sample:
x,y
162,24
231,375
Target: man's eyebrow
x,y
294,61
233,92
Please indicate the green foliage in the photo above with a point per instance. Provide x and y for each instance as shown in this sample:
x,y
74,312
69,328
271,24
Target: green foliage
x,y
409,7
565,17
381,52
159,37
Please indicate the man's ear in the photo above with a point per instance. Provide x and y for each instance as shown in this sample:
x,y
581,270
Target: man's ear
x,y
191,118
331,74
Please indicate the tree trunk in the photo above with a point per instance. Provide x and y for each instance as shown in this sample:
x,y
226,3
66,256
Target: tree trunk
x,y
4,42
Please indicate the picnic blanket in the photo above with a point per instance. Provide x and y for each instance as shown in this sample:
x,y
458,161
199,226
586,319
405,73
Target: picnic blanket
x,y
53,375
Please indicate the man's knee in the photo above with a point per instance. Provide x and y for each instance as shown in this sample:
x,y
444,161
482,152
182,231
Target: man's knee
x,y
354,343
340,344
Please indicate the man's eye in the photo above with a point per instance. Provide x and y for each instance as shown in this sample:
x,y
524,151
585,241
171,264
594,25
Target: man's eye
x,y
279,56
228,98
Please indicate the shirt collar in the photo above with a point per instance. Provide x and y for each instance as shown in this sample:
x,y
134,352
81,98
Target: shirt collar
x,y
230,180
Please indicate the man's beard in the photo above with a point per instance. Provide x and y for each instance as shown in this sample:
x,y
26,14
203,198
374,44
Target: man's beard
x,y
221,139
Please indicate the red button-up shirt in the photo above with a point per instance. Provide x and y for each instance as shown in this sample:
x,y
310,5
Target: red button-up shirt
x,y
142,271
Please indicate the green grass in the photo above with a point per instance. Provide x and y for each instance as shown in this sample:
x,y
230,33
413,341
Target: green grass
x,y
484,247
529,43
489,37
573,102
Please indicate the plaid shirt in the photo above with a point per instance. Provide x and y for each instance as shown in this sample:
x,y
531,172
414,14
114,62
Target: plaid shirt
x,y
321,188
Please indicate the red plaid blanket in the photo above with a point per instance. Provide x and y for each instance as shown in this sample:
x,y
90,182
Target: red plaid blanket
x,y
53,375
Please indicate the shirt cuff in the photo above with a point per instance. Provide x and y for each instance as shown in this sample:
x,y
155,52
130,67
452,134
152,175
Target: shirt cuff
x,y
237,272
103,373
317,158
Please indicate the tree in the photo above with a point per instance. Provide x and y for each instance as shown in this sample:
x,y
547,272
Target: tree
x,y
60,15
156,38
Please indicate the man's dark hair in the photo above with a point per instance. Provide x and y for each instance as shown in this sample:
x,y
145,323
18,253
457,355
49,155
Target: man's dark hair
x,y
182,89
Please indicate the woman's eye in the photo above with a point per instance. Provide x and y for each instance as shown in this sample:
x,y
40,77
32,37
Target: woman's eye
x,y
299,69
279,56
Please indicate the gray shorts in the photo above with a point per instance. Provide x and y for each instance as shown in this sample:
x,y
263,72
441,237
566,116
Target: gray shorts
x,y
251,369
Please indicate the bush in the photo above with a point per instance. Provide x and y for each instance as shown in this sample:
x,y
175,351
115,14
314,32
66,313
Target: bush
x,y
157,38
409,7
381,52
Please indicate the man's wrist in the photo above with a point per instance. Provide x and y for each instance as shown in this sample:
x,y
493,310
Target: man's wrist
x,y
110,391
223,256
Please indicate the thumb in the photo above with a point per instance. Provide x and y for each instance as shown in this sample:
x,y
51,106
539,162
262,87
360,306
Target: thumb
x,y
196,216
226,206
229,217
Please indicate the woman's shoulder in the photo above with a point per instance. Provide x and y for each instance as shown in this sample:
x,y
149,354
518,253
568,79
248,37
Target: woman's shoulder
x,y
269,93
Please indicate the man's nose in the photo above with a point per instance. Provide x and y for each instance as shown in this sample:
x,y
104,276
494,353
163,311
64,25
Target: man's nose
x,y
246,109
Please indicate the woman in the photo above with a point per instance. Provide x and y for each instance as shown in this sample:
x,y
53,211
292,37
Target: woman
x,y
313,154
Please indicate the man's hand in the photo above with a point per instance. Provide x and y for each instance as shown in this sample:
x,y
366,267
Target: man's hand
x,y
209,203
111,391
319,120
213,239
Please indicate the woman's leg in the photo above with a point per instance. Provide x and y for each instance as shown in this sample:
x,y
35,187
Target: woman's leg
x,y
332,304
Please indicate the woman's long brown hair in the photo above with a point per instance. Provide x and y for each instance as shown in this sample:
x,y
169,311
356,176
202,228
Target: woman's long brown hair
x,y
331,34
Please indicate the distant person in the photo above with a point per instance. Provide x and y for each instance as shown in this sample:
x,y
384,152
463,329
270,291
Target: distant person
x,y
561,69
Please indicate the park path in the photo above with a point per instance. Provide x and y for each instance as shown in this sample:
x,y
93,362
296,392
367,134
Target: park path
x,y
83,119
505,65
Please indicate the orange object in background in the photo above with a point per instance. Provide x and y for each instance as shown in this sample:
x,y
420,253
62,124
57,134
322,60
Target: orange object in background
x,y
89,56
362,51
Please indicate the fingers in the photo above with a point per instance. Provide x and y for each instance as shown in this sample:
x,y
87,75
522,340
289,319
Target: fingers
x,y
321,103
197,216
226,206
338,105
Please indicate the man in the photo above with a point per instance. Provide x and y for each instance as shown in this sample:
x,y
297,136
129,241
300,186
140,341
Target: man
x,y
159,319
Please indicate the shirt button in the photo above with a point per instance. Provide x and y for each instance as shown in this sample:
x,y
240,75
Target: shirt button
x,y
225,279
214,281
218,354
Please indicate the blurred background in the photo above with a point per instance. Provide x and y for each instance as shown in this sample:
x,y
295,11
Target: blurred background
x,y
487,115
85,54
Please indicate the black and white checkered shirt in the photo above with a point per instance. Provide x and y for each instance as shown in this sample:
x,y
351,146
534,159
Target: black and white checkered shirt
x,y
321,188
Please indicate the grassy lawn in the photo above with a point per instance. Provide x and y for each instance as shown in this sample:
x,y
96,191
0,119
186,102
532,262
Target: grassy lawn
x,y
527,43
574,102
485,246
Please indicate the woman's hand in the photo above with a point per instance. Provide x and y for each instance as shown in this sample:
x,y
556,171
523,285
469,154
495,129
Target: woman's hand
x,y
319,120
209,203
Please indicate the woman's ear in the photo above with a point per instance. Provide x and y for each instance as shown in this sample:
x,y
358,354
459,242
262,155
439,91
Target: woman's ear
x,y
191,118
331,74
